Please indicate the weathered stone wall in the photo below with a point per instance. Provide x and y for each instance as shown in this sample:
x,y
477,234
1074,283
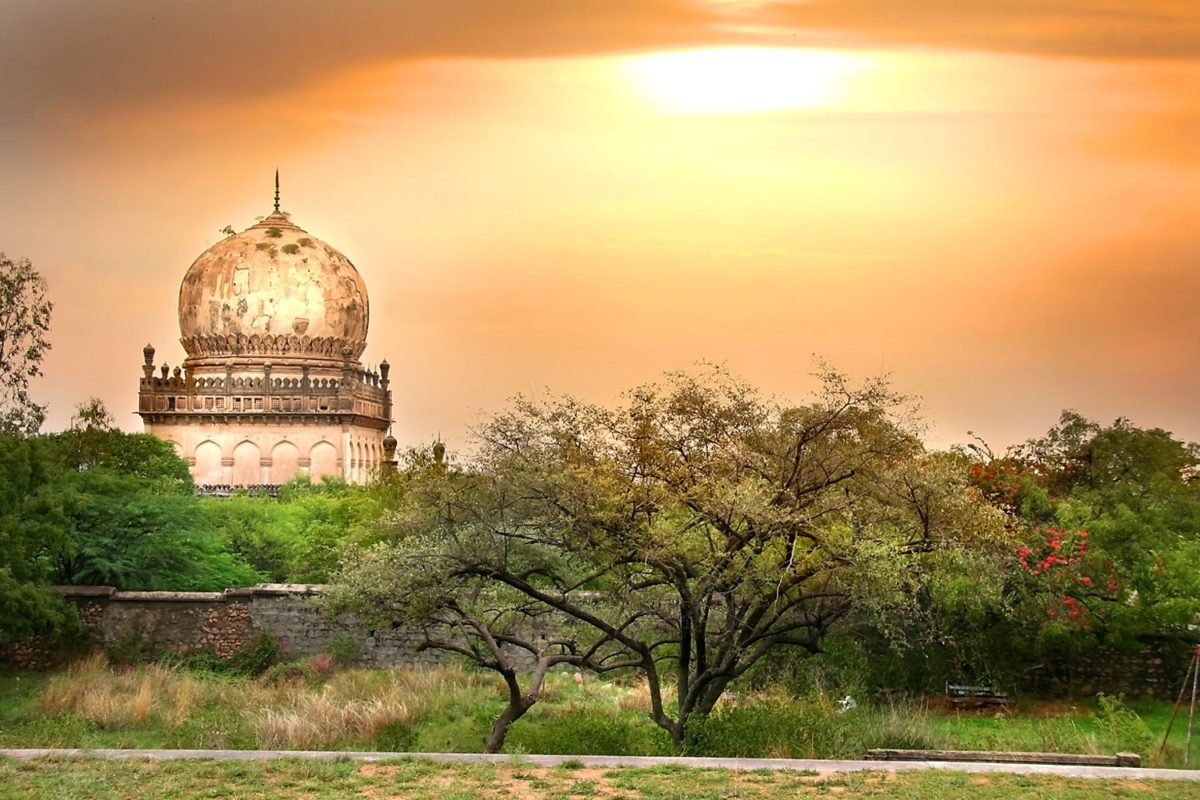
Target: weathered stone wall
x,y
292,615
1153,667
181,622
223,622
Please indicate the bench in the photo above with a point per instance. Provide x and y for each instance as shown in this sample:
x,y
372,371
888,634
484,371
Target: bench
x,y
963,696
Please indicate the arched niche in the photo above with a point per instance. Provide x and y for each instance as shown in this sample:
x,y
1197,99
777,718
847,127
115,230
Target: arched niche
x,y
323,461
247,466
208,463
285,462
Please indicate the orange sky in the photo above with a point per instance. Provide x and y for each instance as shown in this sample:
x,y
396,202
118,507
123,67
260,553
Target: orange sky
x,y
996,202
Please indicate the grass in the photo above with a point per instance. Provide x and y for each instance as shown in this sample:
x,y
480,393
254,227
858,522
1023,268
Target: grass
x,y
67,779
450,709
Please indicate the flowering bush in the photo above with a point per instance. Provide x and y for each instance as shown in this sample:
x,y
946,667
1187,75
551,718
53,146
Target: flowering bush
x,y
1065,573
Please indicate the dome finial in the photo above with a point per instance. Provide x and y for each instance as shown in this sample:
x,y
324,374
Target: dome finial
x,y
277,190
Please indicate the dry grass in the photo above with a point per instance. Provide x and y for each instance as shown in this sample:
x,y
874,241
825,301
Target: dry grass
x,y
352,706
637,698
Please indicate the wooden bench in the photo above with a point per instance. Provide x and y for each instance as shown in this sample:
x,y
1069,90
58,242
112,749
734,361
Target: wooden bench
x,y
983,756
963,696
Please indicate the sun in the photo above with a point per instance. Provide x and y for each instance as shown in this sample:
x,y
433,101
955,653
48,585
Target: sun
x,y
731,80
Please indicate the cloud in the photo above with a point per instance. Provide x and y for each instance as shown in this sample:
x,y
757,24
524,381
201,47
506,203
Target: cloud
x,y
1096,29
134,52
59,59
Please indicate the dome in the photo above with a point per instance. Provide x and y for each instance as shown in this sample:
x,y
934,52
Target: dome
x,y
273,290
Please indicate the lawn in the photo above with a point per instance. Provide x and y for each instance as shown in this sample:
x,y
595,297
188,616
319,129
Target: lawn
x,y
65,779
449,709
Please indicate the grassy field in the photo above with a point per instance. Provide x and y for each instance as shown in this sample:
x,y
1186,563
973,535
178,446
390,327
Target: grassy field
x,y
66,779
451,710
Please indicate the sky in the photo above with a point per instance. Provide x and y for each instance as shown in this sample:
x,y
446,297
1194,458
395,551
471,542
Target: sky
x,y
995,203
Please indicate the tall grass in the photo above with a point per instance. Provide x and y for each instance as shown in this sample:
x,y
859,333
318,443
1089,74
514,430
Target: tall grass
x,y
451,709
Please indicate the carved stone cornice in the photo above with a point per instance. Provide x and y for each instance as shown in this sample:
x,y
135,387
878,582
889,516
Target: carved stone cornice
x,y
274,345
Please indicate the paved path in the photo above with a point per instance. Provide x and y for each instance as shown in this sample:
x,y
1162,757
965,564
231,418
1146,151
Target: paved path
x,y
819,766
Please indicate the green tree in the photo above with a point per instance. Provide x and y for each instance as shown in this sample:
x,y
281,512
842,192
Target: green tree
x,y
31,531
697,528
24,323
1105,524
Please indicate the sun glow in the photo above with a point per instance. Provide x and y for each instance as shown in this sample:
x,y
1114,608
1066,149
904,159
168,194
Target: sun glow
x,y
730,80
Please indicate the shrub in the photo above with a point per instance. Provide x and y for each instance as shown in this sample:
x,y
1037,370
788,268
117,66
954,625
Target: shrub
x,y
343,650
132,648
1122,727
256,656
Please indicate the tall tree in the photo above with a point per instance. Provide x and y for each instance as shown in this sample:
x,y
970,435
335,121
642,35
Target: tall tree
x,y
697,528
24,323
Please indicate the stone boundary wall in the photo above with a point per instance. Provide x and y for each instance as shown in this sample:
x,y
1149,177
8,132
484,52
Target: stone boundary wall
x,y
1155,667
224,622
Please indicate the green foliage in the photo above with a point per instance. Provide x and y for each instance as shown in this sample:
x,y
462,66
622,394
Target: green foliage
x,y
262,655
1125,730
1125,531
574,733
301,536
31,530
24,322
132,648
95,506
778,726
343,650
688,533
256,656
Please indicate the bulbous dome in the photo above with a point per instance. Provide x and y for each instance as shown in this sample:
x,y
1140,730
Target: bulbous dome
x,y
273,290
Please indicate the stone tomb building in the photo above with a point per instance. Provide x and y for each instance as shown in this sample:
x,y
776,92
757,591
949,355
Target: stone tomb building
x,y
273,321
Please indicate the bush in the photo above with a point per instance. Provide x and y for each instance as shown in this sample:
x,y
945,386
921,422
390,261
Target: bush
x,y
252,659
256,656
595,732
1122,727
343,650
776,727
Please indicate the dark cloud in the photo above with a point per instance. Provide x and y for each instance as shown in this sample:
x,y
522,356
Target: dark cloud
x,y
122,53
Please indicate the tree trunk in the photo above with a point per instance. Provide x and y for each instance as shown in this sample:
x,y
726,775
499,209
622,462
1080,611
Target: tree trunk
x,y
513,712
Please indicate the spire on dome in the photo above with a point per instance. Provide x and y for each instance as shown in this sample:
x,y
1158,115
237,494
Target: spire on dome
x,y
277,190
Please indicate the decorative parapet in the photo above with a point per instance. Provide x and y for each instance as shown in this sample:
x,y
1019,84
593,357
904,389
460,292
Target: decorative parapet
x,y
356,391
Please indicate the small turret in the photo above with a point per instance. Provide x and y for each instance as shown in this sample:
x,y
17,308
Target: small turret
x,y
388,466
148,361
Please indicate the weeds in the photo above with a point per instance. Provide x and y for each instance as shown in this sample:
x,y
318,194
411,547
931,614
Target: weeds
x,y
313,704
